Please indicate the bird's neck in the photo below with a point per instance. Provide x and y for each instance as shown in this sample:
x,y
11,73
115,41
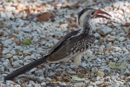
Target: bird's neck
x,y
87,28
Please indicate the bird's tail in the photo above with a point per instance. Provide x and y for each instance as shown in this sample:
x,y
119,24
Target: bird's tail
x,y
26,68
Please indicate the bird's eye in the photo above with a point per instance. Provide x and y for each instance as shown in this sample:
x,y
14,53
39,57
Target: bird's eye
x,y
92,13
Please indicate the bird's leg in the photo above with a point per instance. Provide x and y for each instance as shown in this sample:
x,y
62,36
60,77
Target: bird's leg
x,y
77,59
46,69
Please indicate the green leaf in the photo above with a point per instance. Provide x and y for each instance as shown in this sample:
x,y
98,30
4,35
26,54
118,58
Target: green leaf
x,y
91,58
49,71
10,0
112,65
122,66
27,41
77,78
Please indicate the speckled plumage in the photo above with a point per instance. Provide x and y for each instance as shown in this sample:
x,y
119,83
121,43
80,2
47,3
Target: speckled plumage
x,y
72,45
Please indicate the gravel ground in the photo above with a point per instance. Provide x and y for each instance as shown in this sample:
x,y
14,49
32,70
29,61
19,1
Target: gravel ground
x,y
28,29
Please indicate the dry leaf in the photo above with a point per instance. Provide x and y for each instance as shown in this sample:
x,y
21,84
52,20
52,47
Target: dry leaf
x,y
73,25
129,7
65,79
14,40
18,8
1,49
1,27
1,3
19,43
122,66
85,53
1,33
112,26
27,11
128,35
127,23
52,19
48,38
102,33
44,17
12,36
69,20
59,73
41,53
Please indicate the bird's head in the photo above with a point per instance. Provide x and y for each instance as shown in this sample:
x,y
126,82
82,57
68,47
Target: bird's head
x,y
88,13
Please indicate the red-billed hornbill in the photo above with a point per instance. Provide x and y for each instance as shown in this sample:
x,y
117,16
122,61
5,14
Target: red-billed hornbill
x,y
70,46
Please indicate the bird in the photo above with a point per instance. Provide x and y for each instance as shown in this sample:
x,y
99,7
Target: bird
x,y
71,45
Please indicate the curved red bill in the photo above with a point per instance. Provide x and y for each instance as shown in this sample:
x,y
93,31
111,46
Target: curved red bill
x,y
99,12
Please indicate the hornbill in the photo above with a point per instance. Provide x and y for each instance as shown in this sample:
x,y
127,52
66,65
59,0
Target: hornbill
x,y
70,46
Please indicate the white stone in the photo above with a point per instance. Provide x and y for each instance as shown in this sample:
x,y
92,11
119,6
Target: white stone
x,y
121,39
99,59
3,15
113,37
8,55
5,51
2,69
84,64
16,64
89,52
118,4
9,15
113,33
55,41
13,51
8,42
101,48
128,47
27,30
15,57
28,85
8,8
43,83
37,85
99,82
6,64
62,1
106,30
48,78
32,70
17,47
117,48
20,61
41,78
15,11
115,59
24,16
26,51
71,72
39,72
94,69
79,84
32,49
97,35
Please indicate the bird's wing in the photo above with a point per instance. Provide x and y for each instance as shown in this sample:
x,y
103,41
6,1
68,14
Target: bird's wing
x,y
54,48
70,48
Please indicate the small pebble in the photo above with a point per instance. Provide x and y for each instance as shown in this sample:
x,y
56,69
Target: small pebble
x,y
121,39
94,69
100,73
106,30
8,55
79,85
